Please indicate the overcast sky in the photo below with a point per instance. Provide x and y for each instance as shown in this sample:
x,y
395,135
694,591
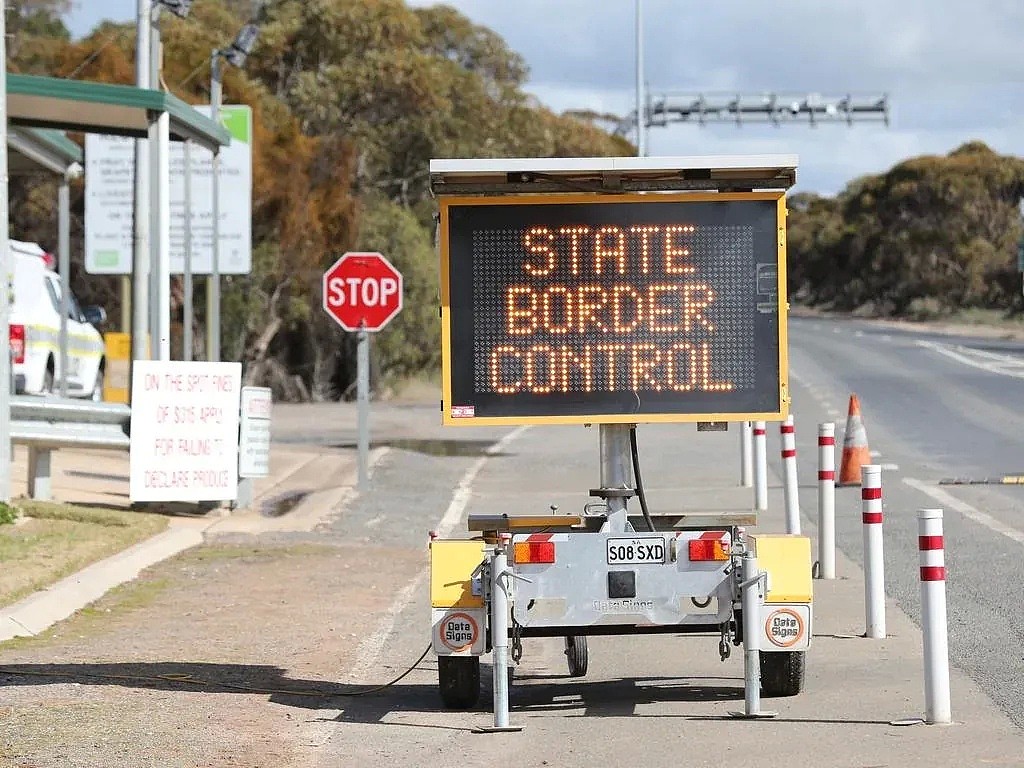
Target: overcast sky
x,y
953,68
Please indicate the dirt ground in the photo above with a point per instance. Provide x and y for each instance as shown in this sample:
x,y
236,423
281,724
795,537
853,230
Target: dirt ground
x,y
217,620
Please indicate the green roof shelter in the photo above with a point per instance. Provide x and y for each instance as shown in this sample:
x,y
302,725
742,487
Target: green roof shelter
x,y
56,104
120,110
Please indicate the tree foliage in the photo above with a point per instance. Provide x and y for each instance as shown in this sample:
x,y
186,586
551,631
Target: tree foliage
x,y
351,99
933,234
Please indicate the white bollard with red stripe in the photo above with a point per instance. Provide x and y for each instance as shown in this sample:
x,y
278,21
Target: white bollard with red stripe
x,y
746,454
874,564
760,466
933,616
789,485
827,500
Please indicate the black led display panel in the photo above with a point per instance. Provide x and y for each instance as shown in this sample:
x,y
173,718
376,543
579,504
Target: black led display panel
x,y
623,308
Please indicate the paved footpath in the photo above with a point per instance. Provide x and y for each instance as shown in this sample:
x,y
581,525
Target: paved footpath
x,y
248,649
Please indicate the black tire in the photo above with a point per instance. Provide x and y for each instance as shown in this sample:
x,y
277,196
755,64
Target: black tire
x,y
576,655
458,681
782,672
97,388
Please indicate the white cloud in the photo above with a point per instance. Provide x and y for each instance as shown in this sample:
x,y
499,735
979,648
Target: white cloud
x,y
952,67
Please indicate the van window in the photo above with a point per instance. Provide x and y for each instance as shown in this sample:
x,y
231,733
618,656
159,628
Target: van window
x,y
74,312
51,290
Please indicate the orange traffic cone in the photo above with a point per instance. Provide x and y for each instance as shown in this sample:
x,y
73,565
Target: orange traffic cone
x,y
855,446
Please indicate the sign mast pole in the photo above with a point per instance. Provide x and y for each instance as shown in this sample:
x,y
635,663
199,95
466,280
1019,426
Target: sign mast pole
x,y
6,268
363,402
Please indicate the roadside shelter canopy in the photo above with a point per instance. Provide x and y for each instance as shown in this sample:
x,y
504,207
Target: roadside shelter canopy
x,y
119,110
30,150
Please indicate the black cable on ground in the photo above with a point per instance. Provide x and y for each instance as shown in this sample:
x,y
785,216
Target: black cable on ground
x,y
639,481
186,679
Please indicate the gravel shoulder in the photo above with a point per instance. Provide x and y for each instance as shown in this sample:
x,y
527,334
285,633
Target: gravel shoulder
x,y
213,658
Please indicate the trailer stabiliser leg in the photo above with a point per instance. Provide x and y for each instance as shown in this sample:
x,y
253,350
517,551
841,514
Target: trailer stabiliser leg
x,y
499,581
750,589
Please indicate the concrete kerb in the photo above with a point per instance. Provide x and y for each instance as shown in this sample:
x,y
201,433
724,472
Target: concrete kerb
x,y
43,609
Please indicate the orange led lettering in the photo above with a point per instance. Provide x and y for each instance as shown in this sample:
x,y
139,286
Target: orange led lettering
x,y
644,357
583,363
557,302
610,243
657,311
540,369
704,356
500,354
627,309
542,248
574,233
680,357
586,309
696,298
644,233
674,251
522,320
610,351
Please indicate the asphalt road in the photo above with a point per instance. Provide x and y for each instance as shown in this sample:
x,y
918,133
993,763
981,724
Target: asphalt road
x,y
657,693
934,407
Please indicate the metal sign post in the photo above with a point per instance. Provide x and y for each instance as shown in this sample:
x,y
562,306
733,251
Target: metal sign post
x,y
64,265
6,268
362,292
363,404
189,309
213,281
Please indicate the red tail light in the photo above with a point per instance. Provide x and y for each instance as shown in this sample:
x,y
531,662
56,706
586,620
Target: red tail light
x,y
17,339
710,546
533,552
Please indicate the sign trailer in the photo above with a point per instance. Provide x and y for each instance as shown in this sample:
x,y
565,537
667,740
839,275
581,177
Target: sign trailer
x,y
615,291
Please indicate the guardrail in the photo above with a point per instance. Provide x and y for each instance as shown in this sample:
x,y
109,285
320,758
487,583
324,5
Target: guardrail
x,y
48,424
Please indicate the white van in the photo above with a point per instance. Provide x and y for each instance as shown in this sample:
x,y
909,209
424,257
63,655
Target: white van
x,y
35,331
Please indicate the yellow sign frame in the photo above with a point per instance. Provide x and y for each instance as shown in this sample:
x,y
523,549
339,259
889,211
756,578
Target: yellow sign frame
x,y
446,202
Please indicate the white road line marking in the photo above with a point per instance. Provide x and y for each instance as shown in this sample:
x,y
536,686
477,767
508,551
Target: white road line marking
x,y
463,491
965,509
371,647
875,454
886,337
987,363
858,334
890,467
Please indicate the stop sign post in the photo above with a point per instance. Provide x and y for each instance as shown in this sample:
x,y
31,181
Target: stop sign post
x,y
362,293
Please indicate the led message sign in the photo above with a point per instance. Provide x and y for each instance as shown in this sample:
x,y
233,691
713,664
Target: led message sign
x,y
625,308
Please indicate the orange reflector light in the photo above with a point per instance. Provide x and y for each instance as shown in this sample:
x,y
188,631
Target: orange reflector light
x,y
707,549
533,552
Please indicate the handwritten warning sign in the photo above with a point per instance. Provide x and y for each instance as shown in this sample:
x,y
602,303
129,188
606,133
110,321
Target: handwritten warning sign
x,y
184,433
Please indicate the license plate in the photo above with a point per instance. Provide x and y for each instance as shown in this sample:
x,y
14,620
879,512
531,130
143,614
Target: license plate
x,y
636,551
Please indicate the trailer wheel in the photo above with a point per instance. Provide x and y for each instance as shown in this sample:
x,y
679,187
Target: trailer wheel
x,y
782,673
458,681
576,655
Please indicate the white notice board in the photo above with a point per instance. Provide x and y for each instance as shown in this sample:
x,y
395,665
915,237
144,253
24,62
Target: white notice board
x,y
184,434
254,438
110,201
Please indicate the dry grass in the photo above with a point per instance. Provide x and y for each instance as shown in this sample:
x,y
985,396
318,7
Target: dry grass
x,y
59,539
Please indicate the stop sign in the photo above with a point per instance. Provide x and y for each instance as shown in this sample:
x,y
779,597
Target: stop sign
x,y
362,290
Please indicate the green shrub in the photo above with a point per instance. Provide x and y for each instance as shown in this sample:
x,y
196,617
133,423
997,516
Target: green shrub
x,y
8,514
